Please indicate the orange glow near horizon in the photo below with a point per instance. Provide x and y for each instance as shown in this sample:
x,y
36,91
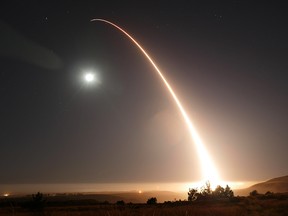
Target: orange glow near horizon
x,y
139,188
209,171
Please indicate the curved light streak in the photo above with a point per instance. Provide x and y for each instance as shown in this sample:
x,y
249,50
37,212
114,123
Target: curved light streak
x,y
209,171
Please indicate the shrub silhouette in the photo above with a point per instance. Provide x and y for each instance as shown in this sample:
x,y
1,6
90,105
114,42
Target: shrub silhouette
x,y
152,200
269,194
38,202
254,193
120,202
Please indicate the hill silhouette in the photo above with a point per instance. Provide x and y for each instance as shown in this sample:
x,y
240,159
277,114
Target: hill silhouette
x,y
275,185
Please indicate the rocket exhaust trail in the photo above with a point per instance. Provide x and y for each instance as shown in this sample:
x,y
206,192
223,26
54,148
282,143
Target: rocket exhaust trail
x,y
208,169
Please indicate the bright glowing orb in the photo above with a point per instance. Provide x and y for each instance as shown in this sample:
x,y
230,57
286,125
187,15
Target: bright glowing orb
x,y
6,195
89,77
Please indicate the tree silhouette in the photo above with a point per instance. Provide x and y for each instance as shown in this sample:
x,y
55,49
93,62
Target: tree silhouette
x,y
206,193
193,194
228,192
206,190
219,192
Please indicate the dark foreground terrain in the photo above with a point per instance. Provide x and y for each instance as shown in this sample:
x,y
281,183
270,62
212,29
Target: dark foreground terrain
x,y
276,204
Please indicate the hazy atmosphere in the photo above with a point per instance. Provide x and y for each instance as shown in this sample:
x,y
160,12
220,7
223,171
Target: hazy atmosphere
x,y
226,61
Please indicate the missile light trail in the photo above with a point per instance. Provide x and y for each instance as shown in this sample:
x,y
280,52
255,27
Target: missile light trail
x,y
209,171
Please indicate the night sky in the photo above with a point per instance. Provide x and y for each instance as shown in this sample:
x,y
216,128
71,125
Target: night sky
x,y
226,60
